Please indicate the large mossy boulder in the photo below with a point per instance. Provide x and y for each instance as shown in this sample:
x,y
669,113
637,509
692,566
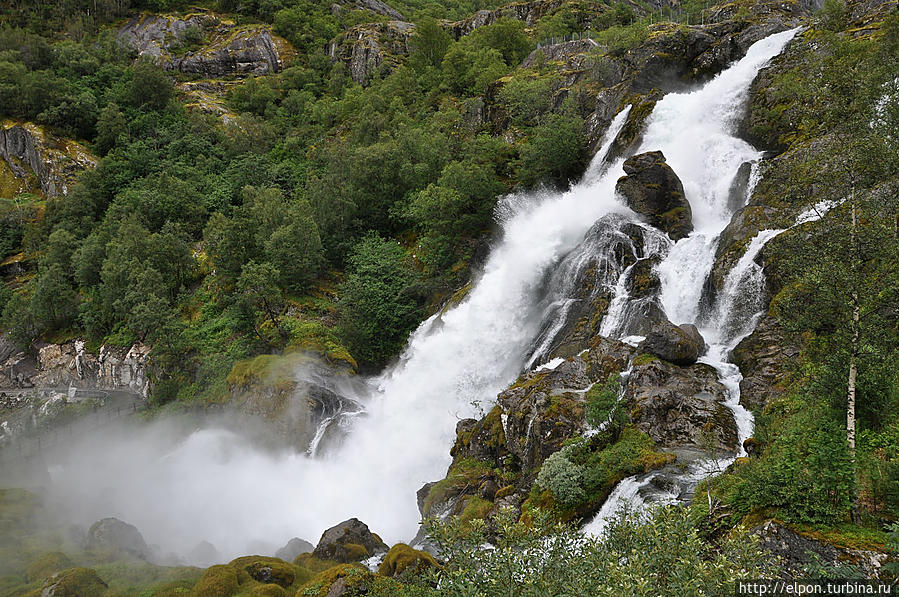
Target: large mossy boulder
x,y
349,541
74,582
404,559
111,535
680,407
348,580
652,189
266,570
678,344
217,581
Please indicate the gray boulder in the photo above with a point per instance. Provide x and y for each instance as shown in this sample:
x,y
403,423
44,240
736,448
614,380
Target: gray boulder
x,y
111,534
651,188
681,345
294,547
681,407
349,541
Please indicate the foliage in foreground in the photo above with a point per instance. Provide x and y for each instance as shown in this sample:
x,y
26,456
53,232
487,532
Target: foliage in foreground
x,y
660,554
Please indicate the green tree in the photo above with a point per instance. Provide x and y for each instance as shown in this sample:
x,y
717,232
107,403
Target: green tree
x,y
378,301
149,86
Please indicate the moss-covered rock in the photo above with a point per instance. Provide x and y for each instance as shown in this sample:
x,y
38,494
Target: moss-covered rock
x,y
403,559
217,581
74,582
266,570
349,541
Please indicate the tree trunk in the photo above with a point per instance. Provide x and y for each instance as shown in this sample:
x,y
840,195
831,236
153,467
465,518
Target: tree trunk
x,y
853,358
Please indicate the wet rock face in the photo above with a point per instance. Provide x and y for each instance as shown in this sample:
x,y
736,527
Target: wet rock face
x,y
111,534
349,541
651,188
762,358
797,551
228,50
30,151
544,408
681,345
681,407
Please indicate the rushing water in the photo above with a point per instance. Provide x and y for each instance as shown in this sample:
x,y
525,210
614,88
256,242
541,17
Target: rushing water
x,y
212,485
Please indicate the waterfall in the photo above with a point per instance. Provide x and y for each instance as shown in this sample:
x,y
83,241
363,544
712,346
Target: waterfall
x,y
215,486
695,131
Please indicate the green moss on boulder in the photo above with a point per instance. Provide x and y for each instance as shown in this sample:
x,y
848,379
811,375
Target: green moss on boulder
x,y
47,565
74,582
401,558
266,570
217,581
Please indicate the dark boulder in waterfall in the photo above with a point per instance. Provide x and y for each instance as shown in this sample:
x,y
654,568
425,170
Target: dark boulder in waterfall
x,y
114,536
349,541
680,407
651,188
681,345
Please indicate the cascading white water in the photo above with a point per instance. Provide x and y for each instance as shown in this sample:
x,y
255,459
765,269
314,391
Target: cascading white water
x,y
702,150
214,486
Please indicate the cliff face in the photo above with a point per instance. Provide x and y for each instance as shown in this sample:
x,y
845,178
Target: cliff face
x,y
70,364
227,48
41,162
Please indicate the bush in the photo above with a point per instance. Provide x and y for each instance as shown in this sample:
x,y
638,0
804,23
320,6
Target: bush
x,y
563,479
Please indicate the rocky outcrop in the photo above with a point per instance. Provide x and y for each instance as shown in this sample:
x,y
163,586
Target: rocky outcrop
x,y
227,50
681,407
543,408
114,536
370,48
379,8
681,345
652,189
40,161
570,55
528,12
294,547
531,420
763,358
349,541
71,365
299,397
72,582
797,550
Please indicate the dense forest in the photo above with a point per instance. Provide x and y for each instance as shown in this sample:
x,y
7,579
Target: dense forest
x,y
329,205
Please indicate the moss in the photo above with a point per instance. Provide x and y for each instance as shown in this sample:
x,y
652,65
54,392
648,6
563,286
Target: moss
x,y
313,564
75,582
268,590
320,585
48,564
504,491
217,581
475,508
266,569
644,359
465,473
356,552
402,558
